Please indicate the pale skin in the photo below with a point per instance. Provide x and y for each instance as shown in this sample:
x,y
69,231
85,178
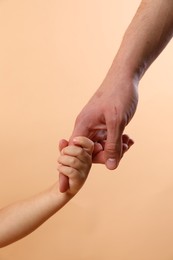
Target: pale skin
x,y
21,218
113,105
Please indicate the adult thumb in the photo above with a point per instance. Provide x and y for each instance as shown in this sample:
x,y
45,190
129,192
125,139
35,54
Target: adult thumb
x,y
113,148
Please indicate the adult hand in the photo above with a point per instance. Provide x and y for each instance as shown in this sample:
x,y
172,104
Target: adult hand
x,y
105,116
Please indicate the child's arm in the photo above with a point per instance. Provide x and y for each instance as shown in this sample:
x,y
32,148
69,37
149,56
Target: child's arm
x,y
21,218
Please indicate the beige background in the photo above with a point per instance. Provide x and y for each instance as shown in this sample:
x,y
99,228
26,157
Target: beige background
x,y
53,56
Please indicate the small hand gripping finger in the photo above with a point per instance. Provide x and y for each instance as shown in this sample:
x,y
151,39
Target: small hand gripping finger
x,y
81,141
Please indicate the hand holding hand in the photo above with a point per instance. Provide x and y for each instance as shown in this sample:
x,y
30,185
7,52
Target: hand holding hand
x,y
74,164
105,117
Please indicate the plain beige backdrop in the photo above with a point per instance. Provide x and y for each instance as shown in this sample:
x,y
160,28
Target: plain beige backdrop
x,y
53,56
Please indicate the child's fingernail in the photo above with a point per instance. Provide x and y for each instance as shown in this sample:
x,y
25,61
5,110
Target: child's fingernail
x,y
111,163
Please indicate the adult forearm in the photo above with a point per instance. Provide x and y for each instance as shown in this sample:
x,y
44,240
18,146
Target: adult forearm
x,y
145,38
21,218
110,109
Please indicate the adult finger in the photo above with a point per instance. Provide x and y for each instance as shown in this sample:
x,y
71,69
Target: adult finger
x,y
127,142
113,144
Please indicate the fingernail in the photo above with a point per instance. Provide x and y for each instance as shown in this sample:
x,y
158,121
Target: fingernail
x,y
111,163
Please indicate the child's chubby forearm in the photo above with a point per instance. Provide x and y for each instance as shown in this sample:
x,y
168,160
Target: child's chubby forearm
x,y
21,218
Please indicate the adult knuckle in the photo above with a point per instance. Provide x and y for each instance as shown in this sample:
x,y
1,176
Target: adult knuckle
x,y
110,148
113,148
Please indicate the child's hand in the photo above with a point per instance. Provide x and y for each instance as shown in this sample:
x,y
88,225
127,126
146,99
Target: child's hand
x,y
75,162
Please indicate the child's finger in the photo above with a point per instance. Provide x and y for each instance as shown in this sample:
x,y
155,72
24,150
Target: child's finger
x,y
77,162
73,150
85,143
77,153
68,171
